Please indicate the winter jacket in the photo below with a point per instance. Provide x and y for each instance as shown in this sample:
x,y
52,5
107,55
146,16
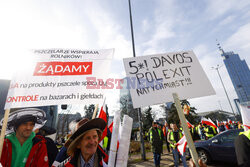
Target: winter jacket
x,y
242,149
156,139
100,157
38,156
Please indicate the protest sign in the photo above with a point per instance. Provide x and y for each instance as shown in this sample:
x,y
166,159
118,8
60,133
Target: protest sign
x,y
152,79
61,76
245,115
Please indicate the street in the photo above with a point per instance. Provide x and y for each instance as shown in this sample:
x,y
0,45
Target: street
x,y
167,161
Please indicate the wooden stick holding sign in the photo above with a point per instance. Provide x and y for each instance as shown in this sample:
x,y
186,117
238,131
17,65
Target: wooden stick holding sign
x,y
3,130
95,111
186,130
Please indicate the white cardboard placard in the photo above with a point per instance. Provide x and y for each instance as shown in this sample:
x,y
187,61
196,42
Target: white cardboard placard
x,y
61,76
152,79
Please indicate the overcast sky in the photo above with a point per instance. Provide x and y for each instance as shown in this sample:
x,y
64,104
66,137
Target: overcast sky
x,y
160,26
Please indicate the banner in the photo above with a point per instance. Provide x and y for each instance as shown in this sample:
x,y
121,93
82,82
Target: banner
x,y
153,79
61,76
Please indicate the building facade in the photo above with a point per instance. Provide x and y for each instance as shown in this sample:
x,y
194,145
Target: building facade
x,y
239,73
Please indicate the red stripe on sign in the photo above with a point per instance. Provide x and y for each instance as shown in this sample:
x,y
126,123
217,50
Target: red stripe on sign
x,y
63,68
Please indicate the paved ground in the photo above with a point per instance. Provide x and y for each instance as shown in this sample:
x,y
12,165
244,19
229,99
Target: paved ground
x,y
167,161
135,160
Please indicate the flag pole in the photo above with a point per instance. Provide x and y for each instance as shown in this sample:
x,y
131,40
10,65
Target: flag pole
x,y
3,130
104,102
186,130
143,155
95,111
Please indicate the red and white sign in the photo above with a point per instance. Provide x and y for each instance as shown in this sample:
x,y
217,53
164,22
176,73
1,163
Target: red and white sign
x,y
63,68
61,76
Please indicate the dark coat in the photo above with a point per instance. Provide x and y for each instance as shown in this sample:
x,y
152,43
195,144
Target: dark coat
x,y
242,149
156,139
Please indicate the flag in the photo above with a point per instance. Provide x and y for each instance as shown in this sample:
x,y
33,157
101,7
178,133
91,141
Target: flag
x,y
104,164
247,126
217,122
181,145
229,121
103,115
208,122
189,124
245,114
216,127
111,127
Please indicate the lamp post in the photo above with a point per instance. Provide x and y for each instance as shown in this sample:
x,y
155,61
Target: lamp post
x,y
217,69
143,155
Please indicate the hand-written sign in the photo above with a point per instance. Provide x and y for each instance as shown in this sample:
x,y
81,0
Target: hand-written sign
x,y
153,79
61,76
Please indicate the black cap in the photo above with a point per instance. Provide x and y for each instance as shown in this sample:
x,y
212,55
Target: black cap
x,y
24,119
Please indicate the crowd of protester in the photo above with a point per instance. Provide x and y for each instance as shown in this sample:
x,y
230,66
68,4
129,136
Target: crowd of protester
x,y
26,143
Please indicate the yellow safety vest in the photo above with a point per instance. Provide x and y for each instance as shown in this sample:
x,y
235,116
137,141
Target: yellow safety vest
x,y
151,134
246,133
172,138
105,142
207,132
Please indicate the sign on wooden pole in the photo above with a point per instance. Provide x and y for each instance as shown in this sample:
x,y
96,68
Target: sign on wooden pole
x,y
95,111
159,78
3,130
152,79
62,76
59,76
185,128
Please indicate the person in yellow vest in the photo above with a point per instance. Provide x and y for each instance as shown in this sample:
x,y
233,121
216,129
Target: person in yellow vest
x,y
159,126
166,130
195,133
173,137
240,126
156,138
105,143
242,149
210,131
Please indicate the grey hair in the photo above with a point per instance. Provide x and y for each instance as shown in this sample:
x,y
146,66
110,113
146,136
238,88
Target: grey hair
x,y
72,126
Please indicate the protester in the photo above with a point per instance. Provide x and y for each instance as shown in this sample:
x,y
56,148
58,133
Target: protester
x,y
155,139
62,155
82,146
195,132
242,149
221,127
51,146
107,141
166,130
21,146
173,137
201,131
159,126
210,131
